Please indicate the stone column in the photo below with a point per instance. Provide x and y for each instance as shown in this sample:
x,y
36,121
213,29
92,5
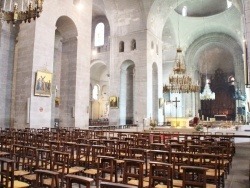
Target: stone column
x,y
7,53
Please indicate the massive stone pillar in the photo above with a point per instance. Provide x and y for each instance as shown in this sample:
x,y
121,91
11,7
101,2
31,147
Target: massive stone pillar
x,y
7,53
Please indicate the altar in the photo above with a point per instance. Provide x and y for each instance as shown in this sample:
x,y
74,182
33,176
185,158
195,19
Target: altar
x,y
180,122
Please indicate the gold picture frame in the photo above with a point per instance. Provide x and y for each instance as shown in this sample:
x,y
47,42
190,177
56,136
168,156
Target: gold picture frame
x,y
114,102
43,83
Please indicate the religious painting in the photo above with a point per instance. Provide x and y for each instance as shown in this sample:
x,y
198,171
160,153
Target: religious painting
x,y
113,102
161,102
43,83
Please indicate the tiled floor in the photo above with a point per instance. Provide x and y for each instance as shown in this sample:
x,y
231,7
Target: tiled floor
x,y
239,174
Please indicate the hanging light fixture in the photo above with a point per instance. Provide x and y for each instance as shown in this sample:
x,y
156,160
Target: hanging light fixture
x,y
20,10
207,94
179,81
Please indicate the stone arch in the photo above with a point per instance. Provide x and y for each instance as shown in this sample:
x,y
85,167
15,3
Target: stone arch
x,y
127,112
65,60
226,42
99,75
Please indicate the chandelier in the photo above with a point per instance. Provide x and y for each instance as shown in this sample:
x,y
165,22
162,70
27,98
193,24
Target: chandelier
x,y
179,81
207,94
20,10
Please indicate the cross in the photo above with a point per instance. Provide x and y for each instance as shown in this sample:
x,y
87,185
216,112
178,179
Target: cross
x,y
176,110
176,102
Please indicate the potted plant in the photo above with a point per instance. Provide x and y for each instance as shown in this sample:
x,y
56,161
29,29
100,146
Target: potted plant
x,y
199,128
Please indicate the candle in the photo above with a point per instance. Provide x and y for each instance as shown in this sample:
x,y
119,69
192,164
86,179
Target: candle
x,y
22,5
202,117
4,5
10,4
207,119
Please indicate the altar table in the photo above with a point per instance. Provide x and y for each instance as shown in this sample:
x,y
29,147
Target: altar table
x,y
180,122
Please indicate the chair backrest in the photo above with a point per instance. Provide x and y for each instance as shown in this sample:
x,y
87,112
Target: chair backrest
x,y
159,155
160,173
106,170
115,185
6,173
194,176
133,169
76,179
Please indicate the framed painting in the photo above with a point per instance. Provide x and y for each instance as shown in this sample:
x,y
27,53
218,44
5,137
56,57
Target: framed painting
x,y
113,102
43,83
161,102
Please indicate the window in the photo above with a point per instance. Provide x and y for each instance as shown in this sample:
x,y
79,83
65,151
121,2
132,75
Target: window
x,y
133,44
99,34
152,45
229,3
121,46
184,11
95,92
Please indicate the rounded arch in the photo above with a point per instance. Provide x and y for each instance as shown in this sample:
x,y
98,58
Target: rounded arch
x,y
66,27
224,41
127,92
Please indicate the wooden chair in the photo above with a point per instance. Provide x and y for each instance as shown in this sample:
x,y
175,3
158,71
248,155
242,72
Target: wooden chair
x,y
83,155
93,160
115,185
159,155
110,147
195,177
140,154
211,161
76,179
107,170
7,179
160,175
47,178
133,173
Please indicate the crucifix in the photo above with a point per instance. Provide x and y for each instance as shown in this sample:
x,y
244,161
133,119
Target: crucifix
x,y
175,101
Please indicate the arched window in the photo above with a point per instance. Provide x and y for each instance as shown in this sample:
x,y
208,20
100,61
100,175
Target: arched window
x,y
133,44
99,34
152,45
95,92
184,11
229,3
121,46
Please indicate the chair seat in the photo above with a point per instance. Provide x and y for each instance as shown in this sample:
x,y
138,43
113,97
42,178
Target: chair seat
x,y
20,173
2,153
47,181
71,170
91,171
19,184
177,183
136,182
119,180
163,186
30,177
79,168
118,161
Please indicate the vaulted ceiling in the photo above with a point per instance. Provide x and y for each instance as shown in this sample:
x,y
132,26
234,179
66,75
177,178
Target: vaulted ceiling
x,y
164,19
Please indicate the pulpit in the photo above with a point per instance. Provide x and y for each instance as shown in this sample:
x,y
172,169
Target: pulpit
x,y
180,122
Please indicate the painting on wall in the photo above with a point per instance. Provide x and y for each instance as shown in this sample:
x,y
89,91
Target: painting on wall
x,y
113,102
43,83
161,102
